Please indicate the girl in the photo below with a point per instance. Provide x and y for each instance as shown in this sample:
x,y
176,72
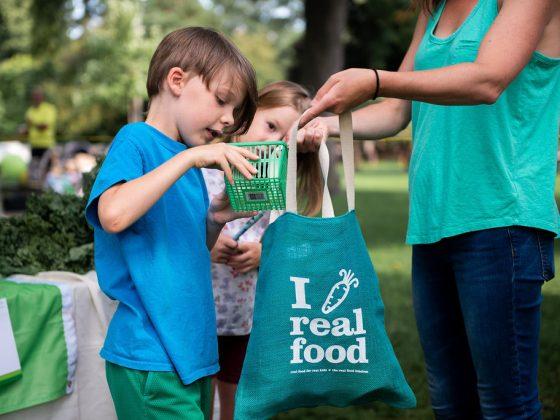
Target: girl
x,y
234,268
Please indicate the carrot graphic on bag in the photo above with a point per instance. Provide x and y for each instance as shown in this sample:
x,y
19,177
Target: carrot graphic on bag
x,y
339,291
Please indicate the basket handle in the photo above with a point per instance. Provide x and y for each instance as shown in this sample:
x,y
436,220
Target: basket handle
x,y
347,144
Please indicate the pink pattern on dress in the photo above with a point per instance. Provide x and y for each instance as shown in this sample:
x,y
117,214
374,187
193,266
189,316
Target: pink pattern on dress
x,y
234,293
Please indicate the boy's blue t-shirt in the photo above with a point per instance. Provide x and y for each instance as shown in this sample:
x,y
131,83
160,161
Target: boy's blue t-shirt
x,y
158,268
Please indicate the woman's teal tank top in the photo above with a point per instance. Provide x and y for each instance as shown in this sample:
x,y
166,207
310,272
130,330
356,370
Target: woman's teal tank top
x,y
484,166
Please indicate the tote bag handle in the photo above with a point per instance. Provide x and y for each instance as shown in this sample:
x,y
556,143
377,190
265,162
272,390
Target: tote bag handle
x,y
347,144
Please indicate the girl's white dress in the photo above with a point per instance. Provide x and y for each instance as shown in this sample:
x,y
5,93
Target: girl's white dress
x,y
234,293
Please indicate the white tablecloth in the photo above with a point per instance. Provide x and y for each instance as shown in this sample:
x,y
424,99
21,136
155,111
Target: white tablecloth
x,y
91,399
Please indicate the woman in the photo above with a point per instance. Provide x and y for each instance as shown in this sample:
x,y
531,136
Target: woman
x,y
481,84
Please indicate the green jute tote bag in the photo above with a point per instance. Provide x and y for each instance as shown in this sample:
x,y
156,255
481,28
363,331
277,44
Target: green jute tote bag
x,y
318,333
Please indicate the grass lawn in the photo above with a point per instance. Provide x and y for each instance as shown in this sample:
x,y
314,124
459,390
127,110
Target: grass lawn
x,y
381,206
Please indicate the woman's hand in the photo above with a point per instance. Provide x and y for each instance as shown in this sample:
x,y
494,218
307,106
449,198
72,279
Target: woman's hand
x,y
224,249
248,257
342,91
505,50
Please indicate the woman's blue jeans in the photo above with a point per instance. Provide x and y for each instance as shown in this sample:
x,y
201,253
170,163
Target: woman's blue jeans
x,y
477,299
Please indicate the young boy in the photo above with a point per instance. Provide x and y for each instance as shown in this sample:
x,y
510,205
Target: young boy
x,y
153,225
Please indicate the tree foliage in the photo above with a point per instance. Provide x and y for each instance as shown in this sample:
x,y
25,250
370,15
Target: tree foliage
x,y
91,56
51,235
379,33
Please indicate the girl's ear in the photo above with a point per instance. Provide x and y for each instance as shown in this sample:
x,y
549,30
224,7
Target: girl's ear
x,y
175,80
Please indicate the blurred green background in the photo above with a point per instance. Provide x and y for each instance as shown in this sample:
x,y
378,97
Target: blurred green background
x,y
91,58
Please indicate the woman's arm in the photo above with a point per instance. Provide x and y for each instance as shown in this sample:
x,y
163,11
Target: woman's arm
x,y
375,121
503,53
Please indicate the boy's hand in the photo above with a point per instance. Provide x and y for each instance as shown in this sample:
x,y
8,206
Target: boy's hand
x,y
224,249
221,156
220,211
248,257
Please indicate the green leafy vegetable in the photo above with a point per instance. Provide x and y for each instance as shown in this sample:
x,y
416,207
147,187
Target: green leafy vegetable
x,y
52,234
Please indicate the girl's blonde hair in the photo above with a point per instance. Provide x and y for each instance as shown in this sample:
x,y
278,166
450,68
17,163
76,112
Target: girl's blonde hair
x,y
310,180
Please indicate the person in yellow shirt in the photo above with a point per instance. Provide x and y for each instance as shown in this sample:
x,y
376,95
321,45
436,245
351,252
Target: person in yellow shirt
x,y
40,119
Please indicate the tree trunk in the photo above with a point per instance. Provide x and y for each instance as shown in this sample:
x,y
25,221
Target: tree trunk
x,y
323,54
323,47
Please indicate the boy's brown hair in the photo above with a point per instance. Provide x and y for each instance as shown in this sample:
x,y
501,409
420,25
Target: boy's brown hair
x,y
206,53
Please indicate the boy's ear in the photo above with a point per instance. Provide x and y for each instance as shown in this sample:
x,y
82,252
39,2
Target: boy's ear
x,y
176,80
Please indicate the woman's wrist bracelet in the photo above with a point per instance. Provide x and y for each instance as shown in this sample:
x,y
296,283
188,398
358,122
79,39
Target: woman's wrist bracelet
x,y
376,84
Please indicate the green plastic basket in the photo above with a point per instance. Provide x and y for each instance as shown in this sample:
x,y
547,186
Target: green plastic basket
x,y
267,189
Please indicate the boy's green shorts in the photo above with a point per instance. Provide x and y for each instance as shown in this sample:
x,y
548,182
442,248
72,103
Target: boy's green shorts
x,y
139,394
